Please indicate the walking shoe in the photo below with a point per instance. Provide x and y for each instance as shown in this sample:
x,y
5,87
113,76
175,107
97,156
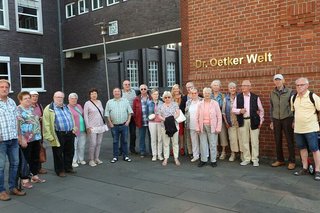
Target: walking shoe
x,y
317,176
291,166
114,160
278,163
26,184
255,163
154,158
17,192
214,164
244,163
165,162
127,159
83,162
301,172
160,157
177,162
194,159
222,156
36,179
98,161
232,157
201,164
75,164
92,163
4,196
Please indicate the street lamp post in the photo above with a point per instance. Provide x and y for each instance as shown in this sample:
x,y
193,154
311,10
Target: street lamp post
x,y
103,29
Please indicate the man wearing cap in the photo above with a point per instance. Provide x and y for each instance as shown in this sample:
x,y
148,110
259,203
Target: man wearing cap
x,y
8,141
282,120
38,110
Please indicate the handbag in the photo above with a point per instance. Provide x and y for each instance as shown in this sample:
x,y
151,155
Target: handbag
x,y
42,154
181,118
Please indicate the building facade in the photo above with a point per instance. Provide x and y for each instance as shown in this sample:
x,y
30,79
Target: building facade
x,y
253,40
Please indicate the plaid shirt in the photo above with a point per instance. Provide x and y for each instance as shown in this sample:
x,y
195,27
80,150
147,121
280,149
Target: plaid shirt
x,y
118,110
63,119
144,112
8,120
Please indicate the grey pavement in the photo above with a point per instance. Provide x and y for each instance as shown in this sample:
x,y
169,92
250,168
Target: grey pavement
x,y
145,186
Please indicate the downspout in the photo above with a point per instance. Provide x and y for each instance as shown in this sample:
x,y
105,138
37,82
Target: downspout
x,y
60,46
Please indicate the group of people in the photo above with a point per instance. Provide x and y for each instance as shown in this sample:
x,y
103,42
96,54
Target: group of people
x,y
233,119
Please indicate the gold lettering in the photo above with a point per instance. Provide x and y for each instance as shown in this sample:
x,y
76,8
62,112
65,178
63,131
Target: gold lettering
x,y
235,61
220,62
269,57
260,58
198,63
240,60
213,62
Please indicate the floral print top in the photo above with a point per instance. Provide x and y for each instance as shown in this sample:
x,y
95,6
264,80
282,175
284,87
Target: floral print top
x,y
28,124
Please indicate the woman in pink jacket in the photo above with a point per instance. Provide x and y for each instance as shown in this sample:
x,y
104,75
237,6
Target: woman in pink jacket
x,y
208,125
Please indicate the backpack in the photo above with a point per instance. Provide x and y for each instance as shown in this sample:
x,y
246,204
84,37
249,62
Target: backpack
x,y
311,99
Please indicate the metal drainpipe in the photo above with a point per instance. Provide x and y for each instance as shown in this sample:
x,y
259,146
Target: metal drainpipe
x,y
60,46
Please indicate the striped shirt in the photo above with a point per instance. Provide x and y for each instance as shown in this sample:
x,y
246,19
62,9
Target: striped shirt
x,y
118,110
130,96
8,120
63,118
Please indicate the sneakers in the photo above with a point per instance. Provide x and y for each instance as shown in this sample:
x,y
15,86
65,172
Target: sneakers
x,y
17,192
127,159
301,172
222,156
4,196
317,176
201,164
255,163
232,157
98,161
291,166
154,158
194,159
92,163
83,162
114,160
244,163
160,157
278,163
75,164
214,164
177,162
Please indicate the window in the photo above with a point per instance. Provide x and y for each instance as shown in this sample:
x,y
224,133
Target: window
x,y
153,74
5,68
132,70
70,10
82,7
112,2
29,16
171,46
171,74
4,19
96,4
113,28
31,72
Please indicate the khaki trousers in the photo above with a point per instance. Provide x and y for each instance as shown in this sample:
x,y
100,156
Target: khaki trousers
x,y
166,144
234,138
247,135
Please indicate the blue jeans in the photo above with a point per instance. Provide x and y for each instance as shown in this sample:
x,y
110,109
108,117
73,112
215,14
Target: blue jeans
x,y
120,132
9,148
307,141
142,139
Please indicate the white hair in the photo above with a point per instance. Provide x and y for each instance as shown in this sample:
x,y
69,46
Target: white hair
x,y
216,82
73,95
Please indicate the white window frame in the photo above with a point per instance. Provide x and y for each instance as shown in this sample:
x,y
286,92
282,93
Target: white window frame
x,y
37,5
111,24
6,60
99,3
133,73
71,5
113,2
171,46
171,74
35,61
85,7
5,12
153,71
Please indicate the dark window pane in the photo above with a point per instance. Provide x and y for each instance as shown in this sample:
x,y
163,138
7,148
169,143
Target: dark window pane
x,y
30,69
1,18
3,69
28,22
27,10
31,82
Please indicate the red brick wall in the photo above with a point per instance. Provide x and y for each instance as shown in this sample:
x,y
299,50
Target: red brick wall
x,y
290,30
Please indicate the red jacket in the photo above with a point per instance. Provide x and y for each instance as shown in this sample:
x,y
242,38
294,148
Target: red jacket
x,y
137,111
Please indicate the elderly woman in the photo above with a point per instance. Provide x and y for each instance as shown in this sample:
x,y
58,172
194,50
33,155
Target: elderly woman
x,y
167,113
209,121
80,139
177,97
191,111
94,121
230,120
155,125
29,131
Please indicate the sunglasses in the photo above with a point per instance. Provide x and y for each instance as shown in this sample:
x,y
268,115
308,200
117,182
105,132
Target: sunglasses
x,y
143,89
167,97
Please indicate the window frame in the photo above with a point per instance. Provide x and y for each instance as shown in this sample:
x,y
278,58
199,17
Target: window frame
x,y
5,11
153,71
86,8
72,10
171,73
171,46
6,60
114,2
110,23
39,17
100,4
134,83
34,61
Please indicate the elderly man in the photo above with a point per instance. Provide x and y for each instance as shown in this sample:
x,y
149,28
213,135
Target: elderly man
x,y
58,130
250,115
306,127
130,94
187,97
38,110
223,135
8,141
118,111
282,120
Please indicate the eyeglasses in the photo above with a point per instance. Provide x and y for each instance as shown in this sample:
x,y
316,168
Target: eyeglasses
x,y
300,85
194,93
143,89
167,97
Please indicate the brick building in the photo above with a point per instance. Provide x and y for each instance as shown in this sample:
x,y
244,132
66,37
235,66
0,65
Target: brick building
x,y
220,40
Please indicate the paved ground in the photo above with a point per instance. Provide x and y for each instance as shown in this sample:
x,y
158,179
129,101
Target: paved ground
x,y
145,186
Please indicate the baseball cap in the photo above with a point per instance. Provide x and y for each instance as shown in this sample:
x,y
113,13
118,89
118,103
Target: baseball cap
x,y
34,93
278,76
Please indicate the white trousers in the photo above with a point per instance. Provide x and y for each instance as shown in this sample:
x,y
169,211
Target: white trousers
x,y
166,144
206,137
156,138
195,143
79,146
